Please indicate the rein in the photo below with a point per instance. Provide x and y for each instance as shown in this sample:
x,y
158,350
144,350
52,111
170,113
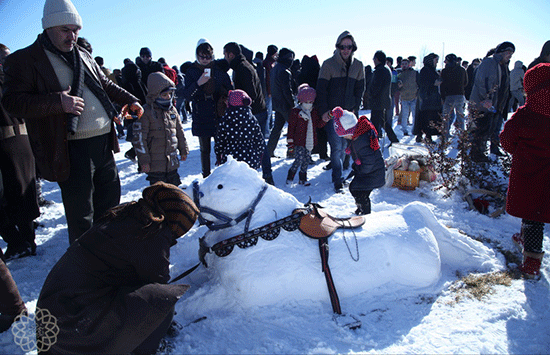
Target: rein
x,y
228,220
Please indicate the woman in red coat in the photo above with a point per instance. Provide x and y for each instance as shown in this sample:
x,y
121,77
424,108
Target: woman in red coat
x,y
527,137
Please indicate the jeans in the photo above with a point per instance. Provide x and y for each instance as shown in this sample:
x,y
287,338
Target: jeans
x,y
407,108
280,120
337,153
454,103
262,118
269,107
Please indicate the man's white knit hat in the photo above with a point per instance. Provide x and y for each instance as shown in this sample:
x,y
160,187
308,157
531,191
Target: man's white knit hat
x,y
60,13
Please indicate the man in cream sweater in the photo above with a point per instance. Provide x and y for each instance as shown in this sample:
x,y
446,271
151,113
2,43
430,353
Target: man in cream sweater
x,y
66,100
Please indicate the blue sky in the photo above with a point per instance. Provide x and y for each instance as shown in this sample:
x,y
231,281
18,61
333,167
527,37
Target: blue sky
x,y
171,28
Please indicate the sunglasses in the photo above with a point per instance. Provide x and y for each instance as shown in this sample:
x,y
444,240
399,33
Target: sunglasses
x,y
343,47
205,57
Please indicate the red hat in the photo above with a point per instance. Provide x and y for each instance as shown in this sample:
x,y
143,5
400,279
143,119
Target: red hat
x,y
537,86
306,93
239,98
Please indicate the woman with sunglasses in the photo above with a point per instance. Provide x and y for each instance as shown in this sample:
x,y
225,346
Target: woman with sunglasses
x,y
206,87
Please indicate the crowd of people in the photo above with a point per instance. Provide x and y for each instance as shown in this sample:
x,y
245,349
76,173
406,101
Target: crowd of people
x,y
63,112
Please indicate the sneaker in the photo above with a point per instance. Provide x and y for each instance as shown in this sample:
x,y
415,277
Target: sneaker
x,y
338,188
531,264
304,183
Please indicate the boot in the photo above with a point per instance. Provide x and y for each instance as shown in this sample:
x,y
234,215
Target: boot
x,y
478,153
531,264
363,205
290,176
302,179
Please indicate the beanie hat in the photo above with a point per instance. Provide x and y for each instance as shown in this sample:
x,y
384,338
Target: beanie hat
x,y
146,52
166,202
306,93
238,98
271,49
505,46
59,13
346,34
537,87
344,121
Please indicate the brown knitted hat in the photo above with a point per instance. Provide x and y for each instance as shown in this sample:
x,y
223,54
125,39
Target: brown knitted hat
x,y
173,205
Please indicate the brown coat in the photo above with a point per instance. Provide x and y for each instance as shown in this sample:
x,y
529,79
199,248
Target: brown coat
x,y
17,166
108,292
33,92
159,134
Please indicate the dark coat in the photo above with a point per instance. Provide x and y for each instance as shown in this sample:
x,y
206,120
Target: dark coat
x,y
246,79
281,88
108,291
147,69
204,105
370,172
453,80
131,81
239,135
17,166
380,87
526,136
428,93
340,84
32,92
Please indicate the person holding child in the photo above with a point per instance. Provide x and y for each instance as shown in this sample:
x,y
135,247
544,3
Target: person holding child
x,y
368,164
158,134
239,133
525,136
302,132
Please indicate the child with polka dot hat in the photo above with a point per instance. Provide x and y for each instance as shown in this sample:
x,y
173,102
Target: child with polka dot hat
x,y
239,133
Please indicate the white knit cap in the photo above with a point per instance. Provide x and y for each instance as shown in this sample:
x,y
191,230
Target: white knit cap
x,y
60,13
348,120
202,40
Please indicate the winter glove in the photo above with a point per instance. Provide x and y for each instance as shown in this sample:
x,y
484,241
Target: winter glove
x,y
133,112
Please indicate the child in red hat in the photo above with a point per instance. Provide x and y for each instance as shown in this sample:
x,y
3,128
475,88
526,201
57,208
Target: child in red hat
x,y
526,137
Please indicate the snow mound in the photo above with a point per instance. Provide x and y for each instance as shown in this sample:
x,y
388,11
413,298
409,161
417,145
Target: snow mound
x,y
403,248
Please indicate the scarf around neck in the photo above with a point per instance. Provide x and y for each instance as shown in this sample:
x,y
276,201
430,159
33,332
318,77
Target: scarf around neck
x,y
80,78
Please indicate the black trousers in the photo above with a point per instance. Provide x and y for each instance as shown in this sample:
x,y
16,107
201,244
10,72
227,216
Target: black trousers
x,y
380,120
93,185
205,144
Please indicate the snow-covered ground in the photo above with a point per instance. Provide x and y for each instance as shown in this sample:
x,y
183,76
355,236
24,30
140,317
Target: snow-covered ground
x,y
216,317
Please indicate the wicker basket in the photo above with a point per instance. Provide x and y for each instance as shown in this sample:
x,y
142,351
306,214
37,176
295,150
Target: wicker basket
x,y
405,180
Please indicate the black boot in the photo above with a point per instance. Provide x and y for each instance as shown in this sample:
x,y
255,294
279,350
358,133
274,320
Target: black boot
x,y
290,176
302,176
362,200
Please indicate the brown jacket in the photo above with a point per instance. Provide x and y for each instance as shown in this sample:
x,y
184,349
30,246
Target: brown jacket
x,y
108,292
33,92
159,134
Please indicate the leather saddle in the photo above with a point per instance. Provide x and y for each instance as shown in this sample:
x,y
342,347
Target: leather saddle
x,y
319,224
